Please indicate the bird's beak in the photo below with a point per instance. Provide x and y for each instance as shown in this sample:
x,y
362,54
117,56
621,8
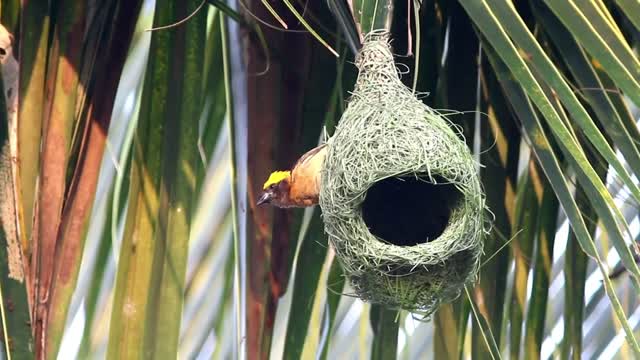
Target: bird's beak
x,y
265,198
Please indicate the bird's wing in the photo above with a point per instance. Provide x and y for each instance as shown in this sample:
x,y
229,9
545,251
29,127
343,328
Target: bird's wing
x,y
306,176
308,155
306,172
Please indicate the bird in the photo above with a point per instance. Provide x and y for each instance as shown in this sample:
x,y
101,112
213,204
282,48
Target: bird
x,y
298,187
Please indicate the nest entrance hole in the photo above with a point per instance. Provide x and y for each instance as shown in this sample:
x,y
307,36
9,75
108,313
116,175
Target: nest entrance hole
x,y
409,210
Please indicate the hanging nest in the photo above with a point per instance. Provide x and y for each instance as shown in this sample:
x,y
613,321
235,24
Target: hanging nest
x,y
400,195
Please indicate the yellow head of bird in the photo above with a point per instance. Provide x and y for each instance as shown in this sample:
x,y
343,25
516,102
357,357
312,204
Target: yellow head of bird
x,y
271,190
275,178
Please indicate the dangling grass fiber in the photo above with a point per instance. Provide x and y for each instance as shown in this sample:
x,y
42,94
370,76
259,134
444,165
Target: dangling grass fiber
x,y
401,199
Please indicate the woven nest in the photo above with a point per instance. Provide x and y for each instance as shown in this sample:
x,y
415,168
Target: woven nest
x,y
401,199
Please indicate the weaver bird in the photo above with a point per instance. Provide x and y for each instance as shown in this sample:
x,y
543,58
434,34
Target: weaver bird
x,y
298,187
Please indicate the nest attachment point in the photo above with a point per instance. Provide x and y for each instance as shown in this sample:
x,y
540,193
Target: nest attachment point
x,y
400,196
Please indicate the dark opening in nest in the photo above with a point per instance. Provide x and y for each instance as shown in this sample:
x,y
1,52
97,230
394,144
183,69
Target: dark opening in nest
x,y
407,211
